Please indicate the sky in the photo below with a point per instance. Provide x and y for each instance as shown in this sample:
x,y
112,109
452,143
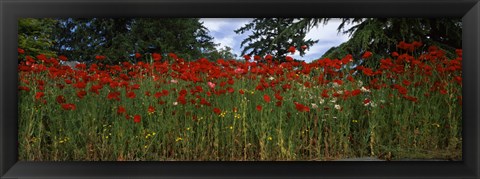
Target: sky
x,y
222,30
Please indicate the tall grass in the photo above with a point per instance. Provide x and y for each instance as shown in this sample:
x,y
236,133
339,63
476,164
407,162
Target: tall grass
x,y
324,113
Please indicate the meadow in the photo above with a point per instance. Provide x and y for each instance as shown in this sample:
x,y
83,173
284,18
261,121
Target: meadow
x,y
165,108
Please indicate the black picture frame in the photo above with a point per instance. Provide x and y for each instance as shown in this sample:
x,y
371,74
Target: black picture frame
x,y
11,10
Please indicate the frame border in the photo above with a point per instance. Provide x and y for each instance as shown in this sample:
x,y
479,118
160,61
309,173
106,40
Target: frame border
x,y
11,10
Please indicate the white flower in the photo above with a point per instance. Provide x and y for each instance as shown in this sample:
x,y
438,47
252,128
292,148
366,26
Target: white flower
x,y
340,92
175,103
334,100
173,81
338,107
365,90
314,106
322,101
360,83
336,85
372,104
271,78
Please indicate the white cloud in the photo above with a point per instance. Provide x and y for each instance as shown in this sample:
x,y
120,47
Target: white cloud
x,y
214,24
225,41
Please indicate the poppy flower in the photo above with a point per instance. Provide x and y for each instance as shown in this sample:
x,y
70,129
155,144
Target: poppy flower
x,y
42,57
395,54
406,82
367,54
301,107
211,85
230,90
247,57
100,57
278,97
121,110
156,57
20,51
137,118
151,109
61,99
266,98
62,58
131,95
259,107
138,55
39,95
68,107
24,88
217,111
304,47
80,85
291,49
81,94
113,95
289,59
239,71
268,57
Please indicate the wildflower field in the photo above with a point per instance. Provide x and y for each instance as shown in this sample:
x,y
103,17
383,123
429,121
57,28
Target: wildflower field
x,y
407,105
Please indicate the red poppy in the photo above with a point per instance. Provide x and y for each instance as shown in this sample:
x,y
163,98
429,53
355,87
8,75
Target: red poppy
x,y
62,58
211,85
151,109
366,101
217,111
291,49
121,110
289,59
367,71
100,57
113,95
278,97
268,57
259,108
356,92
131,95
69,107
256,57
138,55
61,99
24,88
406,82
80,85
367,54
81,94
137,118
230,90
304,47
156,57
42,57
278,103
241,91
247,57
301,107
39,95
395,54
20,51
266,98
402,90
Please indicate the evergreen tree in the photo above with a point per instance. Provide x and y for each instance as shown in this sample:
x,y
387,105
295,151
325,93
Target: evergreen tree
x,y
35,36
119,39
274,36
